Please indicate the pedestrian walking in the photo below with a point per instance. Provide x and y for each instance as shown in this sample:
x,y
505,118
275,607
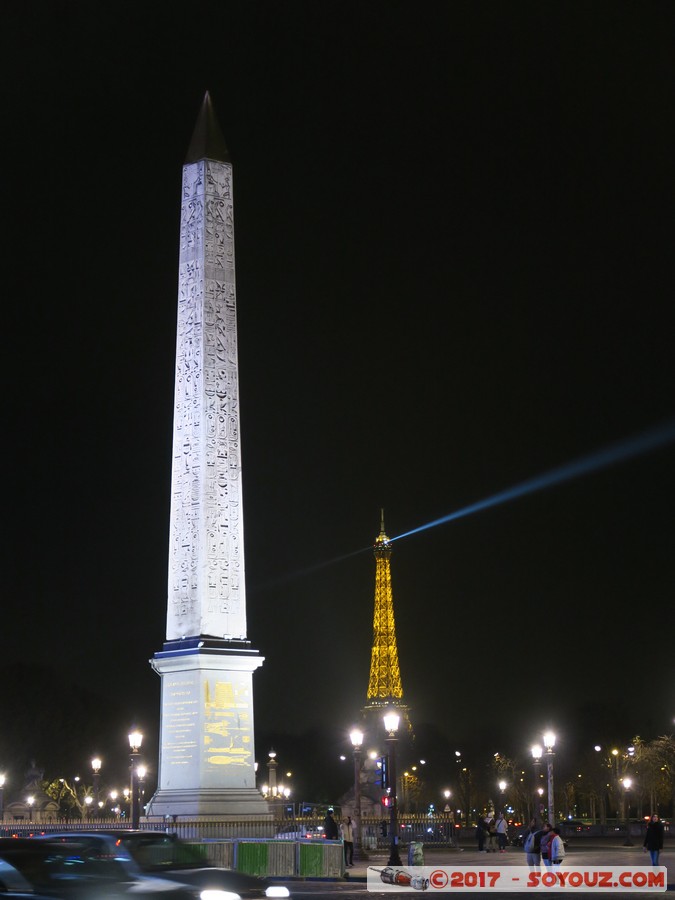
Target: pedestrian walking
x,y
654,838
502,830
556,848
330,828
491,836
531,845
347,829
481,832
544,844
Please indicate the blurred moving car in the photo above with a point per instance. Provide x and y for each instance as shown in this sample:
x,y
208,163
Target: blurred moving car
x,y
32,867
160,858
569,825
296,832
15,886
18,831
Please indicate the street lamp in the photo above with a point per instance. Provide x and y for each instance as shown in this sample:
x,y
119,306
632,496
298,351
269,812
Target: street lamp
x,y
451,836
617,779
502,789
627,782
2,804
272,772
96,766
142,772
549,743
135,741
536,752
88,800
356,737
391,720
30,801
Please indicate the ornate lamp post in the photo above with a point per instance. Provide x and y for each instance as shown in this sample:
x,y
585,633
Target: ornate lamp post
x,y
549,743
447,795
142,772
536,752
391,720
356,737
272,773
502,796
2,802
30,801
96,768
617,782
88,800
627,782
135,741
273,791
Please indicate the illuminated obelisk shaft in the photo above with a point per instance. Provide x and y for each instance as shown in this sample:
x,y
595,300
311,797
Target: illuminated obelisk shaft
x,y
206,764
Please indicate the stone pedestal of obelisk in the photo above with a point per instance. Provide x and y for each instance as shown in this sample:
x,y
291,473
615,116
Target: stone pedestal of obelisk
x,y
206,761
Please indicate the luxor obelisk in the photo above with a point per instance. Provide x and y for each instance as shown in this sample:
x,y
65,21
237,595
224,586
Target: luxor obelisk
x,y
206,757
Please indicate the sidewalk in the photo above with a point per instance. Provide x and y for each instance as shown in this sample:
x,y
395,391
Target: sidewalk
x,y
578,853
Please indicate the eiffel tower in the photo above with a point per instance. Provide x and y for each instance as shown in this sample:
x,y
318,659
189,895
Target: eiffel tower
x,y
384,685
385,689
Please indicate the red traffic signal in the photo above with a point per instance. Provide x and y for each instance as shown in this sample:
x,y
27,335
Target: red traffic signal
x,y
386,801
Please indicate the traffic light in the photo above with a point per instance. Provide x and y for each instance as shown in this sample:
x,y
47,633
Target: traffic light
x,y
383,828
386,800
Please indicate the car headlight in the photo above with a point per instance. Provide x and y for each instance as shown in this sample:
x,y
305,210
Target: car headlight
x,y
214,894
277,890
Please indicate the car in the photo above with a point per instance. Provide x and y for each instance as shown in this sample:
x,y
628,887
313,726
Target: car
x,y
568,825
296,833
163,856
19,831
15,886
31,867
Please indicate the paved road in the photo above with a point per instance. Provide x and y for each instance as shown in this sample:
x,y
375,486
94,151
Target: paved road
x,y
579,853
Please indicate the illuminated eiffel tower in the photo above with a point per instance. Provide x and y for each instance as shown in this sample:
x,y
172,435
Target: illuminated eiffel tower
x,y
384,685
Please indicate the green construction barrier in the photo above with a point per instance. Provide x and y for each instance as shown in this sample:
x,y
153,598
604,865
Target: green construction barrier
x,y
253,858
321,859
310,862
307,859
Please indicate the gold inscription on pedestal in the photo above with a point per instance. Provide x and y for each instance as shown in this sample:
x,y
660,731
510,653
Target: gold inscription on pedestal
x,y
227,723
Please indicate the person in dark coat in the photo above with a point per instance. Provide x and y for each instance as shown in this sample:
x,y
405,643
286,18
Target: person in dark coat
x,y
330,828
654,838
481,830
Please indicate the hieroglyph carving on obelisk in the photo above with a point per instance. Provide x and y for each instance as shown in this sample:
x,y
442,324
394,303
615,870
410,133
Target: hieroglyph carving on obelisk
x,y
206,553
207,753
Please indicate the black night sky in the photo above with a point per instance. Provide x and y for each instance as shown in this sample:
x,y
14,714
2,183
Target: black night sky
x,y
454,246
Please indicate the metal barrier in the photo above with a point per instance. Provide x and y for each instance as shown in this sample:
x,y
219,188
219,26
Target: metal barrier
x,y
280,859
436,831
